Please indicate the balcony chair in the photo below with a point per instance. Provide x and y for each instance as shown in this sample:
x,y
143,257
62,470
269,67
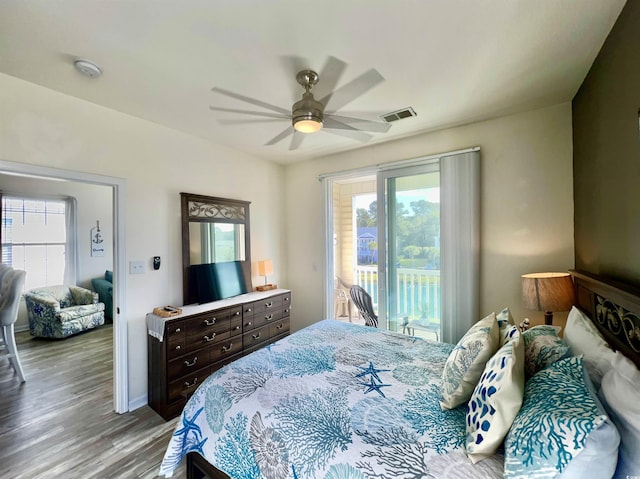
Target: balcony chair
x,y
341,299
363,302
10,290
60,311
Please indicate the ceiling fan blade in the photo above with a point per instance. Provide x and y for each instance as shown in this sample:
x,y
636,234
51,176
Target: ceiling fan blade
x,y
329,76
352,90
253,101
352,134
280,136
248,112
347,123
296,140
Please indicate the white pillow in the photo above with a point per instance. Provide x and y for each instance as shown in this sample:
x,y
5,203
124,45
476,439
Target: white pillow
x,y
496,400
466,362
620,395
584,338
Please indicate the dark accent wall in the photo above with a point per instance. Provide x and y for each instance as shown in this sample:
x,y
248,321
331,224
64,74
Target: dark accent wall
x,y
606,156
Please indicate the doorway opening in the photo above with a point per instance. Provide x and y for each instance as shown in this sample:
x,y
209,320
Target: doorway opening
x,y
118,186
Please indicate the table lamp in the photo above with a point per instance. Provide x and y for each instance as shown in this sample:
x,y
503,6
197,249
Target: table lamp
x,y
265,268
547,292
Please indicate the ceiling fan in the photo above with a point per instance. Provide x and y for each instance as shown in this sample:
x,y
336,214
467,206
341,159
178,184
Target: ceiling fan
x,y
309,115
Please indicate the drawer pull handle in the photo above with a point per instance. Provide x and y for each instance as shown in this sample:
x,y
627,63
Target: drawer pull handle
x,y
236,328
237,313
269,317
286,311
178,347
256,336
210,322
195,381
280,326
207,338
269,304
286,298
227,348
192,363
178,330
249,323
248,310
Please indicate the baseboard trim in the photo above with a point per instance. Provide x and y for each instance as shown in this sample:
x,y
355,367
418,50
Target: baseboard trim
x,y
138,402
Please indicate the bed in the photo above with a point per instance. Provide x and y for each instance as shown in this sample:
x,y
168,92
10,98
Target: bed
x,y
339,400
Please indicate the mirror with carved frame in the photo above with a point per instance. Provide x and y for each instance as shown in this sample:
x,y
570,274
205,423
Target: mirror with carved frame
x,y
213,230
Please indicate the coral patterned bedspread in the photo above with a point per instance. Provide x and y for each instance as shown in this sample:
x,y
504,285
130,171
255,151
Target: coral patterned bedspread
x,y
333,400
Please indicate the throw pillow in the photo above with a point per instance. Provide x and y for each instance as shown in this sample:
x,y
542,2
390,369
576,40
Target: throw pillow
x,y
583,337
542,347
496,400
466,362
558,416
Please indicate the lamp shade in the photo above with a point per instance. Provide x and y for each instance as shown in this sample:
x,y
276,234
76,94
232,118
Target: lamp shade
x,y
547,291
265,267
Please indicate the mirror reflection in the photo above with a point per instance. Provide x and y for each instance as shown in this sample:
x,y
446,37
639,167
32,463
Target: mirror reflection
x,y
215,242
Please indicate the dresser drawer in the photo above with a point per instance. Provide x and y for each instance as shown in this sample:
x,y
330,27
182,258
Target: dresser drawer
x,y
186,364
279,327
267,317
268,304
175,332
248,310
224,349
235,327
256,336
176,347
212,334
185,386
235,313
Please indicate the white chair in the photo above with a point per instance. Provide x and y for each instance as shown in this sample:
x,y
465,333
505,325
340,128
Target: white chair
x,y
10,291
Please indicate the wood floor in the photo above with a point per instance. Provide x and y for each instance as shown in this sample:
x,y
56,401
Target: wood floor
x,y
61,424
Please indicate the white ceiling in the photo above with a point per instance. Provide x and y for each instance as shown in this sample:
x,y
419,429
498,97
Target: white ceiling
x,y
453,61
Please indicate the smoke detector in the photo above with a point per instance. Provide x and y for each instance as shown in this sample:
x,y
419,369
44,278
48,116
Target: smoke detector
x,y
87,68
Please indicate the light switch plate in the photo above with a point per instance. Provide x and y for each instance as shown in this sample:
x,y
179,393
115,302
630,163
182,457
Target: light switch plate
x,y
136,267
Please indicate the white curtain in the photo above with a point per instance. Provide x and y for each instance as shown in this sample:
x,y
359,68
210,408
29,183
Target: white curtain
x,y
460,243
71,255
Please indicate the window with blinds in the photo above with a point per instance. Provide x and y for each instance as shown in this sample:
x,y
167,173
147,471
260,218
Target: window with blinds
x,y
34,238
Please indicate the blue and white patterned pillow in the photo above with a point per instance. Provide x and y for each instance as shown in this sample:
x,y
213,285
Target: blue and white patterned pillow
x,y
466,362
542,347
496,400
556,418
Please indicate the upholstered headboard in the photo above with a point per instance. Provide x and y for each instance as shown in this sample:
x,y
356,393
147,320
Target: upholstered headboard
x,y
614,308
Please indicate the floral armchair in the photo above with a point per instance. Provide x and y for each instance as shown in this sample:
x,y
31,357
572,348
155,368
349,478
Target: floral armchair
x,y
60,311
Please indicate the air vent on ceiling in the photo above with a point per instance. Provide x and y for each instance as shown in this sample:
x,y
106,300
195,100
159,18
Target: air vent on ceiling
x,y
399,115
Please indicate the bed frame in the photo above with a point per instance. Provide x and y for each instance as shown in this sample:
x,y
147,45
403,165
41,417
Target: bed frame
x,y
613,307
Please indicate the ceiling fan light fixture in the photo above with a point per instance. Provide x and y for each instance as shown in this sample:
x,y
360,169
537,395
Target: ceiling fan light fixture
x,y
306,114
310,125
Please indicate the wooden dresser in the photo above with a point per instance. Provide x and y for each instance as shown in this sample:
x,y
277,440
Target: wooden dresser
x,y
183,350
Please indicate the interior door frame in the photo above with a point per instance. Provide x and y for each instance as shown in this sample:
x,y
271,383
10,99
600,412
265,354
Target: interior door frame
x,y
120,334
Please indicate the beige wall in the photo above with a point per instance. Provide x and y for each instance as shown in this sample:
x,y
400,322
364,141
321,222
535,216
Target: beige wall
x,y
42,127
526,210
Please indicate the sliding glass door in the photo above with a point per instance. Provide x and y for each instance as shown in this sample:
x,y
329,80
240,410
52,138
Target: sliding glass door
x,y
407,233
409,263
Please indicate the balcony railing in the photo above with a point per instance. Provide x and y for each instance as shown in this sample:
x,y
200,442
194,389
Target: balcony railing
x,y
418,291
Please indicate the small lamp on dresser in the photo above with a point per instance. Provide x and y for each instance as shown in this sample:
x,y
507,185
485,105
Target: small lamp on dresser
x,y
265,268
548,292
